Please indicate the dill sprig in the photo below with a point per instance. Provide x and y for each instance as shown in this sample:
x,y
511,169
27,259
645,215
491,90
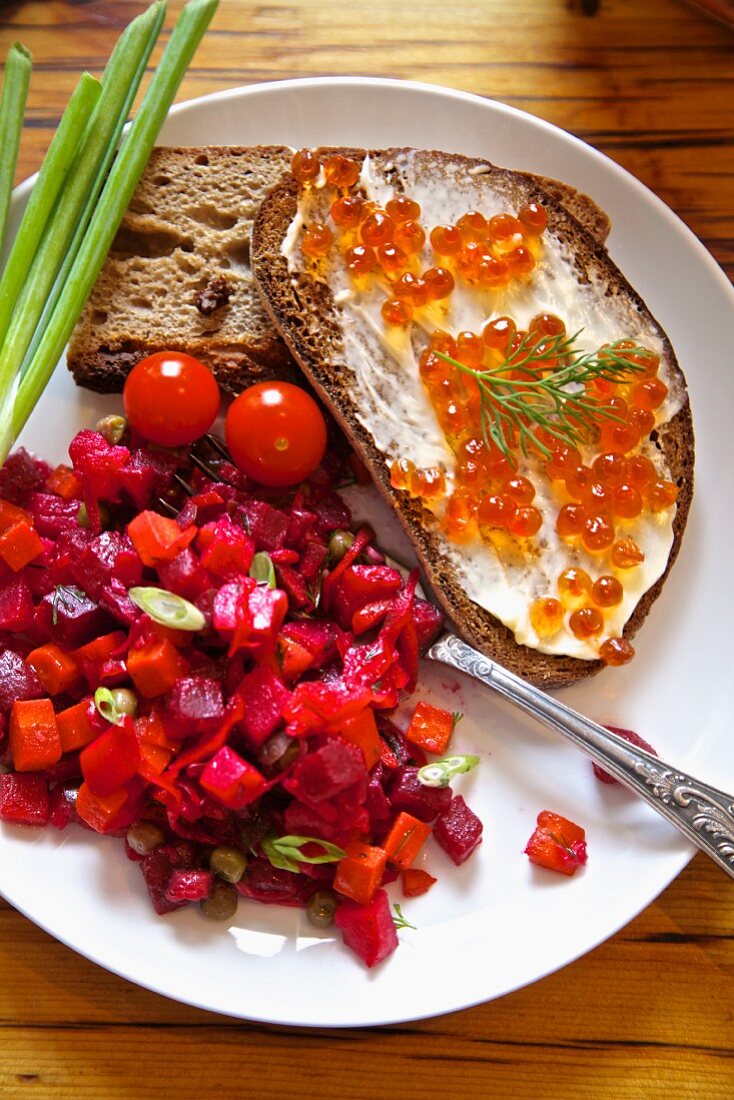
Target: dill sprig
x,y
550,392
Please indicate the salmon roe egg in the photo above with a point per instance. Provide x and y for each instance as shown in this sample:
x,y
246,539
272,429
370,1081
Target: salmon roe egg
x,y
305,166
469,349
392,259
428,482
377,228
619,437
564,460
316,241
597,533
616,651
574,586
411,288
401,471
578,479
597,497
570,520
460,510
503,227
440,283
445,240
640,471
495,510
547,324
546,616
347,211
606,591
469,257
610,467
521,489
360,260
410,236
649,394
492,273
396,313
472,226
587,622
341,171
402,208
520,260
533,218
626,554
498,333
643,420
440,340
661,494
626,501
525,522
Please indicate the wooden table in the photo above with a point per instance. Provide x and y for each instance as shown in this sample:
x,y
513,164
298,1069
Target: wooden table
x,y
651,1012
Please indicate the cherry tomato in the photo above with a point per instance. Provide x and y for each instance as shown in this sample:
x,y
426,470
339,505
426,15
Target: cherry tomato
x,y
171,398
275,433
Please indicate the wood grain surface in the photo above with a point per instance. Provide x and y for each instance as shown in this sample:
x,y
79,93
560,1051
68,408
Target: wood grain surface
x,y
651,1012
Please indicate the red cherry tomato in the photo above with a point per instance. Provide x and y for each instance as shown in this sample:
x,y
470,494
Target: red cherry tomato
x,y
171,398
275,433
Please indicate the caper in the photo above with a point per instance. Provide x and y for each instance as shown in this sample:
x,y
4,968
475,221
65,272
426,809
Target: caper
x,y
228,863
83,519
339,543
144,837
321,908
221,903
113,428
126,701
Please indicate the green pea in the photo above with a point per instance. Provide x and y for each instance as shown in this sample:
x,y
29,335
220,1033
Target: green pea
x,y
221,903
113,428
144,837
339,543
229,863
126,701
321,908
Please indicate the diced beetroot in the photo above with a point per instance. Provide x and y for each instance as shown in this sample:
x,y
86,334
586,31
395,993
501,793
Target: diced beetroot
x,y
360,585
147,475
265,697
313,559
261,616
17,680
274,886
326,771
69,617
458,830
61,808
99,464
114,598
16,605
634,739
226,551
377,803
157,870
231,780
70,546
319,638
185,575
300,522
110,555
189,885
24,799
291,581
332,514
52,515
369,930
266,526
21,474
228,603
195,703
302,820
428,622
411,796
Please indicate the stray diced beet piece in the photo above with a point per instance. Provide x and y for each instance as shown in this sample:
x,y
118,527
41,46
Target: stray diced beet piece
x,y
332,514
189,885
458,830
24,799
51,514
185,575
70,618
319,638
17,680
20,475
377,803
634,739
301,820
428,621
368,930
195,699
274,886
327,771
109,554
157,870
16,605
266,697
409,794
265,525
61,808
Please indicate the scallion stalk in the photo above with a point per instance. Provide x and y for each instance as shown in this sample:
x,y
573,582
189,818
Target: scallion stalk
x,y
114,200
12,109
82,184
56,164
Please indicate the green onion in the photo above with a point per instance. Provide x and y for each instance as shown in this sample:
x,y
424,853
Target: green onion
x,y
105,703
262,569
54,170
115,198
285,852
399,920
12,108
81,188
441,772
167,608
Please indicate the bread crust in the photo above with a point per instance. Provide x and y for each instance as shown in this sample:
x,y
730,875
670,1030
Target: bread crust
x,y
303,309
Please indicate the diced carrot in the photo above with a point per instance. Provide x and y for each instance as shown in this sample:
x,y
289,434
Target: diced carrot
x,y
405,839
11,513
158,538
34,735
20,544
430,728
154,667
97,811
416,882
156,749
64,482
359,874
100,649
362,732
292,659
55,668
75,728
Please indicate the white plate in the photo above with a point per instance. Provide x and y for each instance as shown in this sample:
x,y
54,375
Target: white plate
x,y
495,924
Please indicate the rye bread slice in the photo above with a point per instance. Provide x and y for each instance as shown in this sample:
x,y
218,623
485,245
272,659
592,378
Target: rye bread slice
x,y
178,274
303,307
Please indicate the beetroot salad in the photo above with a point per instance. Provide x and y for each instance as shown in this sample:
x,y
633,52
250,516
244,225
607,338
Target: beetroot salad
x,y
207,669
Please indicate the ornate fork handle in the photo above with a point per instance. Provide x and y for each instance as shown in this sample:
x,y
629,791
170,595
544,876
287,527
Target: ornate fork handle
x,y
704,814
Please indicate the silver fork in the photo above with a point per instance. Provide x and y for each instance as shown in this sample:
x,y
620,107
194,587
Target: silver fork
x,y
704,814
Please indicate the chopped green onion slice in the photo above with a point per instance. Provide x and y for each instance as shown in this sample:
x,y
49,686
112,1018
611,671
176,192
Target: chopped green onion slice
x,y
441,772
104,701
285,852
167,608
262,569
